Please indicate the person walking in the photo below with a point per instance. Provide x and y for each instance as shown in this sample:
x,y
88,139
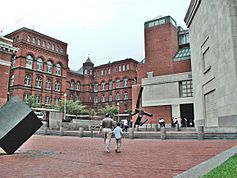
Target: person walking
x,y
107,124
118,136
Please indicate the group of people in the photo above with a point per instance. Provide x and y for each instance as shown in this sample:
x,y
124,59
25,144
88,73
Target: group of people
x,y
181,122
108,128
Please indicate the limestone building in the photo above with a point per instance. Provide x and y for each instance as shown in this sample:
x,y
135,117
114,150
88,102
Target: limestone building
x,y
213,28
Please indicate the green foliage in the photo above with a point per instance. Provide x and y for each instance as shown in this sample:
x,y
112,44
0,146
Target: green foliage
x,y
92,113
228,169
112,110
72,107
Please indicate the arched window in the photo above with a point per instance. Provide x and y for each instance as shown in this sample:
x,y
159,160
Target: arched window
x,y
78,85
96,99
118,83
110,85
53,47
37,99
72,84
117,96
127,66
103,98
39,42
38,82
110,97
125,95
125,82
96,87
47,100
103,86
28,38
39,64
27,81
57,86
12,80
135,81
48,84
29,61
49,68
48,45
58,69
57,101
34,40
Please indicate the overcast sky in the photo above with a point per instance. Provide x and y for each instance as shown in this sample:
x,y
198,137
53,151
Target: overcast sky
x,y
106,30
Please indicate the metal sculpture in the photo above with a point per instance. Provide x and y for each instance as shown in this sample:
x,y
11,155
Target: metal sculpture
x,y
139,111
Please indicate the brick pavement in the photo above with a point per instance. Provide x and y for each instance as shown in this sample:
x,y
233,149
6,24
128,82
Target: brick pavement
x,y
55,156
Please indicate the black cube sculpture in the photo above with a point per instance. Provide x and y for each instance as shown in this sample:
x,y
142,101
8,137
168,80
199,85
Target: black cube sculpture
x,y
17,123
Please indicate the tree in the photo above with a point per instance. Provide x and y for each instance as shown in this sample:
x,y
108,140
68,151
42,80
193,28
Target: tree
x,y
72,107
112,110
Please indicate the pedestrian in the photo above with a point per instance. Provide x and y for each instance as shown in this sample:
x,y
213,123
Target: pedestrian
x,y
118,133
107,125
125,123
162,122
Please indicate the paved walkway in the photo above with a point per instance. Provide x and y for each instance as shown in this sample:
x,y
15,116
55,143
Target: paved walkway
x,y
64,157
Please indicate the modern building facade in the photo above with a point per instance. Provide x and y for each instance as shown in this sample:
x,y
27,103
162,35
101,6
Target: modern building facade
x,y
165,73
214,61
6,52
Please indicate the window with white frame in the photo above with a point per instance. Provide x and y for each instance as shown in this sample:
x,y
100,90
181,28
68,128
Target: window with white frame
x,y
49,67
125,95
58,69
38,82
48,45
43,44
109,71
127,66
28,38
29,62
186,88
12,80
103,86
13,62
72,85
48,84
78,86
39,42
47,100
102,72
135,81
119,68
27,81
96,87
149,74
110,85
39,64
57,47
110,97
34,40
103,98
117,96
57,101
125,81
57,85
123,67
37,99
118,83
96,99
53,47
26,97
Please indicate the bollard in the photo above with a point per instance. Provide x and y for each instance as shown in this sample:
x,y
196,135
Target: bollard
x,y
200,130
80,131
163,133
131,133
177,127
156,127
61,131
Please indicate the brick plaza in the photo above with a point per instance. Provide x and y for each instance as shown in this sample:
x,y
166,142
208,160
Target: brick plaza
x,y
66,156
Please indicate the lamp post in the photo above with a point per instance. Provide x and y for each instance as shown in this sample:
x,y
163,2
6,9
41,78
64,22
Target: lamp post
x,y
65,106
118,111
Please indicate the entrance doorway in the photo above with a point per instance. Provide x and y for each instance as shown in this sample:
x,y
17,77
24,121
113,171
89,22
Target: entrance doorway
x,y
186,111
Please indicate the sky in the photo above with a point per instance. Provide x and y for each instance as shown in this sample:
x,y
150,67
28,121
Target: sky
x,y
104,30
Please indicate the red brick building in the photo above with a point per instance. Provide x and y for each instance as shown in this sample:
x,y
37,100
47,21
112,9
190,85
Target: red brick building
x,y
164,71
40,68
6,52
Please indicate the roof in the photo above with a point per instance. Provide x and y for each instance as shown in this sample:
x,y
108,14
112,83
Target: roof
x,y
88,60
182,54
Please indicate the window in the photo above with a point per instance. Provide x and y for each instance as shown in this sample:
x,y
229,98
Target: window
x,y
58,69
48,84
57,48
29,62
102,72
127,67
103,86
39,42
118,83
28,38
71,96
43,43
186,88
13,62
125,80
183,38
117,96
26,97
119,68
49,67
57,86
27,80
61,50
38,82
96,87
34,40
48,45
39,64
103,98
57,101
123,67
85,71
96,99
110,97
115,69
53,47
109,71
77,97
78,86
72,84
125,95
149,74
37,99
110,85
47,100
12,80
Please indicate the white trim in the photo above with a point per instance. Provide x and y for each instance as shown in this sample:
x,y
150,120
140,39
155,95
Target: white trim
x,y
5,63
